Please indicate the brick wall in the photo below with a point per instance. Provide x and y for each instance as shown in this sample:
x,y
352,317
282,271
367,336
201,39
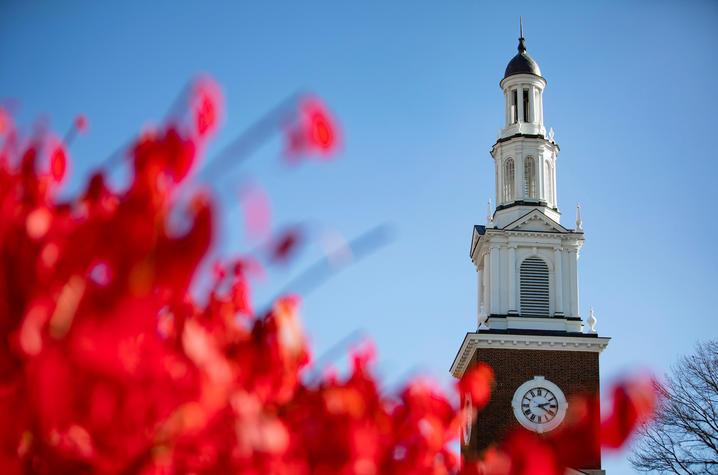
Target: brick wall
x,y
573,371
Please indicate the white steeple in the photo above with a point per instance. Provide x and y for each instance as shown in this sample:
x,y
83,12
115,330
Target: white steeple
x,y
525,159
526,260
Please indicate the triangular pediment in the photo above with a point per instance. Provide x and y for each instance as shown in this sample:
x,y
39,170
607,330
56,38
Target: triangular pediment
x,y
536,221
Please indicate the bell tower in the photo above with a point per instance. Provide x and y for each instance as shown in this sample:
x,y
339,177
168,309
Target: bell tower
x,y
529,328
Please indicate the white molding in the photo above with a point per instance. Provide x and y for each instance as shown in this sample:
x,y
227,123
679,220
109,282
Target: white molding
x,y
472,341
535,215
519,322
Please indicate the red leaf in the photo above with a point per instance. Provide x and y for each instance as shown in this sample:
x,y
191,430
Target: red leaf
x,y
58,162
286,244
633,402
206,104
313,132
477,382
81,123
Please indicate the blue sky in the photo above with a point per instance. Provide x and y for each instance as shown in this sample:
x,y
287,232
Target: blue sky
x,y
415,86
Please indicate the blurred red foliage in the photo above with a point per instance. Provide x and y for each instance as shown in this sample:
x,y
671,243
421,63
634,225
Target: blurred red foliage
x,y
312,130
81,123
108,365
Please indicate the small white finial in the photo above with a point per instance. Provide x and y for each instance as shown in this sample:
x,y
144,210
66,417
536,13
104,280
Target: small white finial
x,y
498,134
551,134
482,315
489,214
591,320
579,223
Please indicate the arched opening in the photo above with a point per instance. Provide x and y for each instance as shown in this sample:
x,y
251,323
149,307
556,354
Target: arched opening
x,y
508,181
534,287
529,177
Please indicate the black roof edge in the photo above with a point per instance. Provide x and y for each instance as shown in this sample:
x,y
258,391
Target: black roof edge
x,y
479,229
516,331
527,203
528,136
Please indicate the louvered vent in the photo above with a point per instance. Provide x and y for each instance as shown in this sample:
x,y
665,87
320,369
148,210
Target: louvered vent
x,y
534,287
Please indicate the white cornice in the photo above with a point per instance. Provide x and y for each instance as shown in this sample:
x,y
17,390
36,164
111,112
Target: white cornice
x,y
506,237
473,341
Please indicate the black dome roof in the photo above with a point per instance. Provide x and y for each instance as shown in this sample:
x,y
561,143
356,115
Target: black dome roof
x,y
522,63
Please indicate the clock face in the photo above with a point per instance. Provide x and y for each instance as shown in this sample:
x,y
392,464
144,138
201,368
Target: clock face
x,y
539,404
468,421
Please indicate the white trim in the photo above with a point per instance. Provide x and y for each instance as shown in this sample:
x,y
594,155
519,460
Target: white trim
x,y
537,215
519,322
472,341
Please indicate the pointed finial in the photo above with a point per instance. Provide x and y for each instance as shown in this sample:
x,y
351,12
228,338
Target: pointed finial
x,y
579,223
489,216
591,320
522,46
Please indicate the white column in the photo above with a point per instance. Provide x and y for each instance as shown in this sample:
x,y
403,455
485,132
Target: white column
x,y
553,183
507,108
495,302
519,192
487,283
479,292
520,102
558,278
573,270
540,101
541,188
497,184
532,104
500,182
511,273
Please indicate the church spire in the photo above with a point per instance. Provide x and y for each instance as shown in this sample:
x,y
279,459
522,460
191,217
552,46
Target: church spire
x,y
522,46
525,158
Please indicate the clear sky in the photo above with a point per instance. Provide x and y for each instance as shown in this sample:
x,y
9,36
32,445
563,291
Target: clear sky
x,y
630,95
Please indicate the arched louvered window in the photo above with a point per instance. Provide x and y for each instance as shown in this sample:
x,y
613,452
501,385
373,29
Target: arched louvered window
x,y
509,181
548,177
529,177
534,287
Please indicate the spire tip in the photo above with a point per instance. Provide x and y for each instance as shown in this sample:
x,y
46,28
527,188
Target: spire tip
x,y
522,46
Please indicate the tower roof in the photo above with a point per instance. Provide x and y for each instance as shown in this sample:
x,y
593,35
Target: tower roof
x,y
522,63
